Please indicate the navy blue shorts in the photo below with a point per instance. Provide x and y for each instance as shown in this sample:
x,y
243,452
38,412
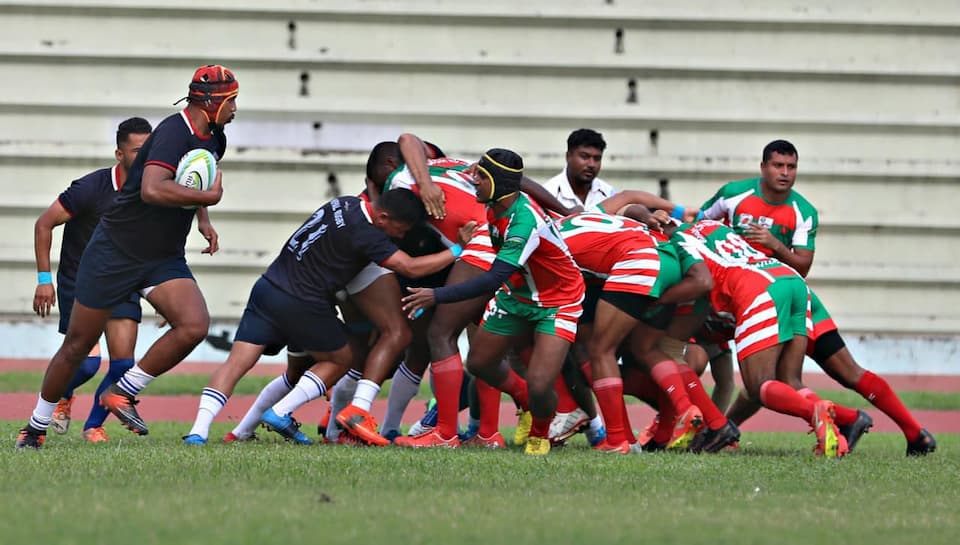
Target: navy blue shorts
x,y
274,318
65,293
107,276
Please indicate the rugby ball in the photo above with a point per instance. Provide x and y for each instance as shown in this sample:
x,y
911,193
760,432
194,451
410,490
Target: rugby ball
x,y
197,170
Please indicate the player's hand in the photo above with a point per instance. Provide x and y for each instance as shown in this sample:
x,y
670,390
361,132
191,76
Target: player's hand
x,y
465,233
213,238
419,299
44,298
216,189
657,219
758,234
690,214
433,198
574,210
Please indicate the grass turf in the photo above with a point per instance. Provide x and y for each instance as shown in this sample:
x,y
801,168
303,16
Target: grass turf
x,y
153,490
177,384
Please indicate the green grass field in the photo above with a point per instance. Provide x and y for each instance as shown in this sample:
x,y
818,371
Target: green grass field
x,y
176,384
153,490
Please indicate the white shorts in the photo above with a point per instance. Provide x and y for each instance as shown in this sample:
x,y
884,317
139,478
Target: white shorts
x,y
365,277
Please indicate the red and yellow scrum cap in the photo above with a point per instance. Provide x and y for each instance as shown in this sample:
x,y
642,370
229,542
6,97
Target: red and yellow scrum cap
x,y
212,85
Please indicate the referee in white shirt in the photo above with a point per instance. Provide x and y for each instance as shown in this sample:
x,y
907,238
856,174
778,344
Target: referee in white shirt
x,y
578,184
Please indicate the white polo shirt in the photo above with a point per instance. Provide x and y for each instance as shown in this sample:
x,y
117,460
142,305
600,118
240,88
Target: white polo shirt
x,y
560,188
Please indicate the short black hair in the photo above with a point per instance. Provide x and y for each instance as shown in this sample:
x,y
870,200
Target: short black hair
x,y
403,206
779,146
379,155
134,125
585,138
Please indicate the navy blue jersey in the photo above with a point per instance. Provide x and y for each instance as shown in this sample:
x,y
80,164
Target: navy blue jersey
x,y
86,200
328,250
147,231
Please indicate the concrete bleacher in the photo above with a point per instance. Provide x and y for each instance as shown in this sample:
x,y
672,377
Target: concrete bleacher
x,y
866,90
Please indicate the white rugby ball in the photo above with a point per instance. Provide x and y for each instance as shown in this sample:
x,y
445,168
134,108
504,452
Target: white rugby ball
x,y
197,170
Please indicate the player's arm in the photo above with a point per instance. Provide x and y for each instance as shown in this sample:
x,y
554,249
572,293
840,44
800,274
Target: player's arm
x,y
45,296
206,229
486,283
696,283
717,208
414,155
801,260
415,267
159,187
621,202
545,199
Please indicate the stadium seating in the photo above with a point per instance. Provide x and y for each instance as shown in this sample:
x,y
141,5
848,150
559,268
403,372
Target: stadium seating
x,y
686,95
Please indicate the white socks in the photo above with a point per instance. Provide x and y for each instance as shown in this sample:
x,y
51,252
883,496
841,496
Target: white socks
x,y
134,380
211,401
308,388
367,391
270,394
42,414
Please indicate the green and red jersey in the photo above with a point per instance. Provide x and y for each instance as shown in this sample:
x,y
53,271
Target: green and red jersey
x,y
525,237
738,204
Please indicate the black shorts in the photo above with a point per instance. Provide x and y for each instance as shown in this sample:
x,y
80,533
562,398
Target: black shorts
x,y
274,318
66,287
107,276
643,308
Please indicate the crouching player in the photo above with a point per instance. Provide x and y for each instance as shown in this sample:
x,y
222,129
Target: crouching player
x,y
293,302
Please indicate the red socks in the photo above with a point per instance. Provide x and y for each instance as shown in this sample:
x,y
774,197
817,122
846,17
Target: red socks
x,y
489,399
447,380
516,387
843,416
876,390
540,427
668,417
565,401
639,384
667,376
587,369
609,392
780,397
714,418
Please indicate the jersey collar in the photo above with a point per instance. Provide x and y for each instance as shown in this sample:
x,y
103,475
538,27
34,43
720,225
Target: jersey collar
x,y
189,123
367,210
115,177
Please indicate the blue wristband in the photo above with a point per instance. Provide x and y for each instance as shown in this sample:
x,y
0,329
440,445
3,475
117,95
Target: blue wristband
x,y
456,250
699,215
44,278
678,211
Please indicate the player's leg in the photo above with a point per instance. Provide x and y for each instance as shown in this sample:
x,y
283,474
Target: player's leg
x,y
312,384
831,353
87,370
405,383
86,326
297,363
380,303
446,364
668,375
60,421
121,334
611,326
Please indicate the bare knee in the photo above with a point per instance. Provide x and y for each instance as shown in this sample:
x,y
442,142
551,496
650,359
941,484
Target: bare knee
x,y
397,337
194,328
441,336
